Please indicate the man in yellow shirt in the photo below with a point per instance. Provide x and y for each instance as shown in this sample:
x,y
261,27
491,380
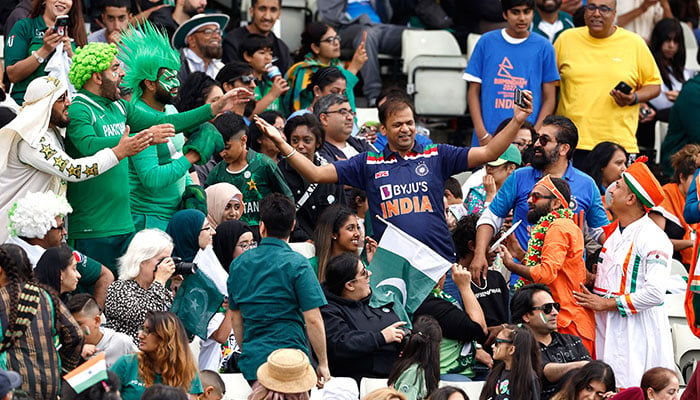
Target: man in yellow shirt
x,y
592,61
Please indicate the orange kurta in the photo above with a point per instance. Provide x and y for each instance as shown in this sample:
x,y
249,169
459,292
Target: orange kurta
x,y
674,202
562,269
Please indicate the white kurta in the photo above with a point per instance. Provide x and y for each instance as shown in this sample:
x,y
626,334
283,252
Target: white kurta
x,y
44,168
633,268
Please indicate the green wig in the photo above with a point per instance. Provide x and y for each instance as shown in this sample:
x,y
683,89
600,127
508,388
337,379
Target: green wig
x,y
144,51
91,58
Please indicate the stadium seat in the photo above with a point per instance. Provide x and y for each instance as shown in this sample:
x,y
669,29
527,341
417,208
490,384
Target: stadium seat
x,y
367,114
660,130
237,387
336,388
434,64
369,384
471,43
677,268
295,15
686,350
472,389
675,307
304,248
691,48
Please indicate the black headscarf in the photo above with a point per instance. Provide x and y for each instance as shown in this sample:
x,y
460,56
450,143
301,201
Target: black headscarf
x,y
226,238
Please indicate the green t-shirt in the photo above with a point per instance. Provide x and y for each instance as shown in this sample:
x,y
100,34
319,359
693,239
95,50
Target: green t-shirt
x,y
261,90
455,357
258,179
132,387
158,175
411,382
272,286
26,36
101,205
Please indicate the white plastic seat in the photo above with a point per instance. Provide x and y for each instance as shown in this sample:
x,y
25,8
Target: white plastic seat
x,y
367,385
686,350
691,48
472,389
677,268
295,14
367,114
237,387
434,64
472,39
675,307
660,130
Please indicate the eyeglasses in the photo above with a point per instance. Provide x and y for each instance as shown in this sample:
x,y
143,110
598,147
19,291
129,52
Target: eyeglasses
x,y
209,31
536,196
542,139
363,274
547,308
344,112
62,98
330,39
604,10
208,228
248,245
499,341
245,79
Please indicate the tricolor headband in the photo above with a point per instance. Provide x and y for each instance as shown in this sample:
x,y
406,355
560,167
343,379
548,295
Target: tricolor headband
x,y
547,182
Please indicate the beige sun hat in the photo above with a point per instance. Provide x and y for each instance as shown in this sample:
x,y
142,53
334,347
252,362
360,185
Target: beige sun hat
x,y
287,371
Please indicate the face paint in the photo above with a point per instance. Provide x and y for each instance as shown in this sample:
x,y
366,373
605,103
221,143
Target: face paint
x,y
168,81
544,319
86,331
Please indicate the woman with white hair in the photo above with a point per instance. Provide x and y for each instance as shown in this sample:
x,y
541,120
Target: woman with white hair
x,y
143,272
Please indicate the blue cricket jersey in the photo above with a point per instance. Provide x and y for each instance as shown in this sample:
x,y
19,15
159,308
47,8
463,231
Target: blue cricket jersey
x,y
408,191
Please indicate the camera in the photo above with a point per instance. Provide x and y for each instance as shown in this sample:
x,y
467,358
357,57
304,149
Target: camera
x,y
181,267
644,112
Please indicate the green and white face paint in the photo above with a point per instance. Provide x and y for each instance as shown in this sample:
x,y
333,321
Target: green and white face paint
x,y
168,81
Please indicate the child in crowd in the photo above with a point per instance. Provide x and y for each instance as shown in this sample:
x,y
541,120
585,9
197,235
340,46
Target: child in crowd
x,y
88,314
515,375
212,384
255,174
417,372
256,50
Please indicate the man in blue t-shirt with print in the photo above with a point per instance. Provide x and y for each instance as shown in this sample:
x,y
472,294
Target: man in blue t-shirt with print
x,y
404,182
553,150
507,59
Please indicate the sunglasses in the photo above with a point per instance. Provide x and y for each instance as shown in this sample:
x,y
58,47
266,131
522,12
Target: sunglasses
x,y
58,228
542,139
245,79
536,196
547,308
499,341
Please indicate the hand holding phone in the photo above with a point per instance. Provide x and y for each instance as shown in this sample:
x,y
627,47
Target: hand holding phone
x,y
61,25
624,87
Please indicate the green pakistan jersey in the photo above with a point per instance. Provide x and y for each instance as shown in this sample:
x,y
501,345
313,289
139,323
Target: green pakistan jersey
x,y
158,175
258,179
101,205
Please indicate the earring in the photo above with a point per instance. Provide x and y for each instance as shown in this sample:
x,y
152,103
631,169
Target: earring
x,y
335,237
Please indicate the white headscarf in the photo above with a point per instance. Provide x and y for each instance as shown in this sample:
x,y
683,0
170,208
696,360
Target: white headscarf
x,y
33,117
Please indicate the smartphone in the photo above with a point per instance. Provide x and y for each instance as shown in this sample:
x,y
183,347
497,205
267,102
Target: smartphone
x,y
61,25
518,98
624,88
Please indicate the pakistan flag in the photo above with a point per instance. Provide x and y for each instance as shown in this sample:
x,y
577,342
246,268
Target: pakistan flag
x,y
404,271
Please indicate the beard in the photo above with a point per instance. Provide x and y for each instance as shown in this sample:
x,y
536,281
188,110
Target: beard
x,y
249,108
548,8
110,89
57,119
534,215
189,10
163,97
540,161
212,51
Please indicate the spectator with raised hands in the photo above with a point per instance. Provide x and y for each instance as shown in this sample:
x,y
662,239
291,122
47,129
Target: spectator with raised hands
x,y
362,341
320,48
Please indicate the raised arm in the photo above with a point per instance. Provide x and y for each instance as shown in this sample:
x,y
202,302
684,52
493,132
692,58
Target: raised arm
x,y
306,168
498,144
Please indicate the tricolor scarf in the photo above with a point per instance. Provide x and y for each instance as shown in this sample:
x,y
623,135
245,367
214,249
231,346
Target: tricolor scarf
x,y
537,235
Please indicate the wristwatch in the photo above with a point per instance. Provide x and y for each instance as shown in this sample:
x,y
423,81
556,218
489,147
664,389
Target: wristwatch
x,y
38,57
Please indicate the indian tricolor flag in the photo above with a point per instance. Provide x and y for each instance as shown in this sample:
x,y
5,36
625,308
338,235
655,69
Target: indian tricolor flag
x,y
404,271
87,374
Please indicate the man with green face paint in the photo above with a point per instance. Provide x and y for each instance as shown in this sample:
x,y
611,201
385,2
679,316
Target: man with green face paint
x,y
102,225
159,175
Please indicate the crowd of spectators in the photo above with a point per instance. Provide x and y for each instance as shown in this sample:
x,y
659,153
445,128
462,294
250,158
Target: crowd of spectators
x,y
172,182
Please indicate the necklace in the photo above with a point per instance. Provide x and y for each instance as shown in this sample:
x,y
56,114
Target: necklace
x,y
537,235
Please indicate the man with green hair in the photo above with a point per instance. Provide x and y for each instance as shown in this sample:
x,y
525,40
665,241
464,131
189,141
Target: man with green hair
x,y
158,176
101,226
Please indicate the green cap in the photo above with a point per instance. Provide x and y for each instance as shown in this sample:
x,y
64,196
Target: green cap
x,y
512,154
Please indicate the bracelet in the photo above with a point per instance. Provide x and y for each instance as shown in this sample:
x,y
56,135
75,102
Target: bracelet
x,y
484,137
291,153
636,99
